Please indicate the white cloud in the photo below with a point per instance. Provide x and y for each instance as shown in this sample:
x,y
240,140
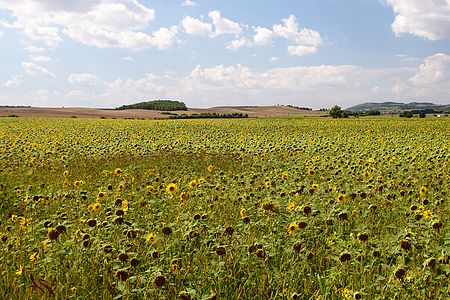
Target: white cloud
x,y
274,59
99,23
165,38
1,34
429,19
305,40
312,86
301,50
84,79
196,27
263,36
223,25
238,43
435,69
127,58
218,26
37,71
14,81
40,58
33,49
188,3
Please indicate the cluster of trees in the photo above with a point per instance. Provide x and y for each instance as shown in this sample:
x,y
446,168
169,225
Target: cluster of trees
x,y
410,114
297,107
337,112
209,116
162,105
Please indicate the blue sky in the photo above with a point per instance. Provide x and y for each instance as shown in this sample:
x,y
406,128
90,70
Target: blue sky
x,y
314,53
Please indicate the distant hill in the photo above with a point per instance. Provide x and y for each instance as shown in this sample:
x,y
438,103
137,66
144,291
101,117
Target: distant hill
x,y
398,106
161,105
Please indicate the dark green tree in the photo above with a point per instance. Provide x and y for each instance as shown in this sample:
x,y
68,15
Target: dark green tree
x,y
406,114
336,112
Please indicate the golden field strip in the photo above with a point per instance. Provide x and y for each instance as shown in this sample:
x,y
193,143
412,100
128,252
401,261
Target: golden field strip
x,y
309,208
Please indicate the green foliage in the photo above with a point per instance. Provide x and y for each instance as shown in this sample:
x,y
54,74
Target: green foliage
x,y
337,112
422,115
163,105
406,114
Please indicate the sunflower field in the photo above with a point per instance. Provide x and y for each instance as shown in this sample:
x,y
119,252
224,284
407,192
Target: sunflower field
x,y
225,209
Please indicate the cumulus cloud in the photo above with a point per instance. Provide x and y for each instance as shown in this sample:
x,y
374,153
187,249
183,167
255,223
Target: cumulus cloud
x,y
223,25
84,79
218,25
13,81
98,23
263,36
37,71
429,19
1,34
305,40
435,69
196,27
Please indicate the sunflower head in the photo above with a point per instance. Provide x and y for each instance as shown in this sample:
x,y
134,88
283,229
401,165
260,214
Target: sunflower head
x,y
293,227
171,188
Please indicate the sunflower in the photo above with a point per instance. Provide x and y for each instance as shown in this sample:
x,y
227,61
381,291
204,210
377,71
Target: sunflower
x,y
125,205
293,227
285,175
78,183
193,184
175,265
341,198
23,222
151,237
95,206
210,168
427,213
171,188
422,190
291,206
243,213
101,194
34,256
183,196
117,171
315,186
150,189
66,173
311,172
266,206
346,293
19,270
